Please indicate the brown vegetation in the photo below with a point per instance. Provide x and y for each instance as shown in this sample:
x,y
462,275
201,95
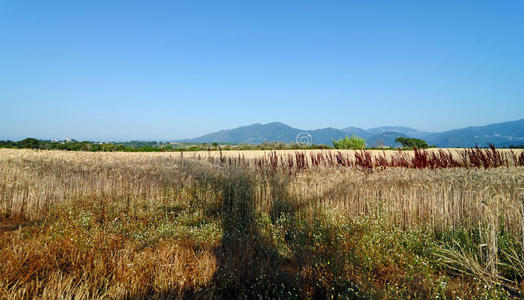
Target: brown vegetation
x,y
285,225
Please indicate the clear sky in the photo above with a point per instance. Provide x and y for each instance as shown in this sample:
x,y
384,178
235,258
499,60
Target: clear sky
x,y
159,70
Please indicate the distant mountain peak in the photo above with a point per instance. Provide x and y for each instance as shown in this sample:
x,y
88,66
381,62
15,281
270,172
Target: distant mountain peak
x,y
277,123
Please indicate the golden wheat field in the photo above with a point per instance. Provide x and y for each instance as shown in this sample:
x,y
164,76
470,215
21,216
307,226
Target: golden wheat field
x,y
170,225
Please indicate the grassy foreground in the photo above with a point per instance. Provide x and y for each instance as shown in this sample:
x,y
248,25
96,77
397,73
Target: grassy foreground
x,y
145,225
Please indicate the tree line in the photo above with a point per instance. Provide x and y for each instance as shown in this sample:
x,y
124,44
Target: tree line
x,y
143,146
354,142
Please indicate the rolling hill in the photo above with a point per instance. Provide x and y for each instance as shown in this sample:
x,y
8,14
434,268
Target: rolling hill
x,y
501,134
402,129
386,138
270,132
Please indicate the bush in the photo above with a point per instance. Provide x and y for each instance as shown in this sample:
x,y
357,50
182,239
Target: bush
x,y
350,143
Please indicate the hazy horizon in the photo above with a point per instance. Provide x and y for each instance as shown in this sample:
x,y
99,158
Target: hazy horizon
x,y
132,70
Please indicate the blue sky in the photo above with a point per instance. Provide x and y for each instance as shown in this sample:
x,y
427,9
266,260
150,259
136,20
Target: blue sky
x,y
158,70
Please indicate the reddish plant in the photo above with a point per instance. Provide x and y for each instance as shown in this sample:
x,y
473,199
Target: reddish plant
x,y
363,159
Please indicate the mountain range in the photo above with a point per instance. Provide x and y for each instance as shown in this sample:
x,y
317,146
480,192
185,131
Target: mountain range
x,y
501,134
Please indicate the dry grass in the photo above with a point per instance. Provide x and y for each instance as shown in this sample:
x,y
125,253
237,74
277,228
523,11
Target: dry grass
x,y
90,225
367,159
251,154
259,153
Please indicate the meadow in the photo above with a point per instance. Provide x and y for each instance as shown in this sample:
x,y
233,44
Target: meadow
x,y
439,223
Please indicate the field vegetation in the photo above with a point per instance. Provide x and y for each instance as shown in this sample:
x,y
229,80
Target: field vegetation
x,y
316,224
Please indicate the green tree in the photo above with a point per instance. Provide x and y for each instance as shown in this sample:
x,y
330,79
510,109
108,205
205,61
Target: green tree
x,y
350,143
411,142
29,143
